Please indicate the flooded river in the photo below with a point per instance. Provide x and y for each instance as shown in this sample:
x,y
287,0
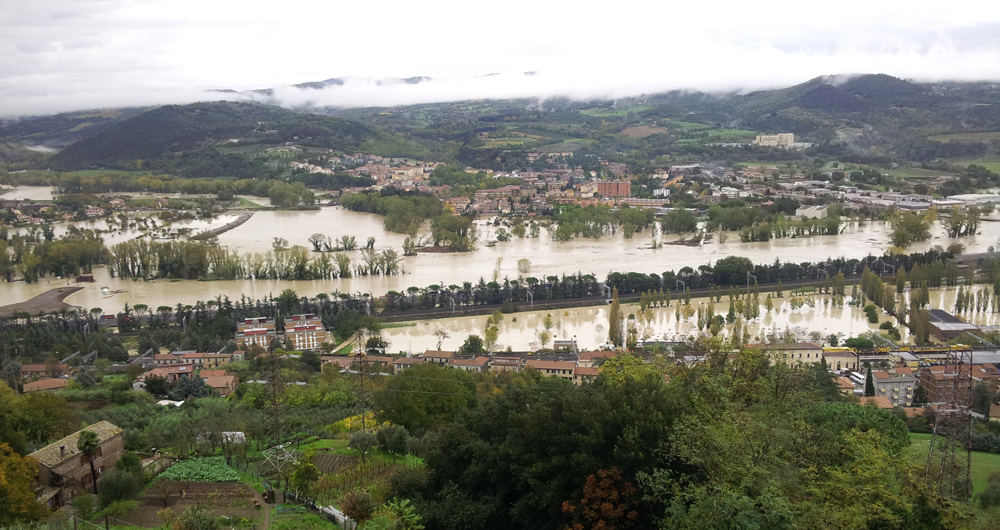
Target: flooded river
x,y
589,325
598,257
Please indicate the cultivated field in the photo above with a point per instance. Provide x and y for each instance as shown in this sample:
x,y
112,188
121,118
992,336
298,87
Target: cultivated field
x,y
966,137
229,499
642,131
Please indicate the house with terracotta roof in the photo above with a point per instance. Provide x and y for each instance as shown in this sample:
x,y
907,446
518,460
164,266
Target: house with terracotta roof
x,y
339,362
841,359
438,356
560,369
41,370
585,374
64,472
588,359
211,373
477,365
43,385
846,386
403,363
171,373
506,364
223,384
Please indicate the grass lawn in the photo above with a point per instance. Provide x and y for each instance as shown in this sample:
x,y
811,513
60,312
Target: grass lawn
x,y
982,463
247,204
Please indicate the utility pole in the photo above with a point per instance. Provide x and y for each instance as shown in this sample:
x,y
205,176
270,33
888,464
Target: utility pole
x,y
950,460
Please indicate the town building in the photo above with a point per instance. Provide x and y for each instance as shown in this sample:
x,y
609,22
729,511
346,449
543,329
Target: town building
x,y
840,359
897,384
614,188
795,352
438,356
171,373
560,369
775,140
812,212
938,384
584,374
43,385
64,472
223,384
29,371
945,326
305,332
255,332
591,359
478,365
403,363
506,364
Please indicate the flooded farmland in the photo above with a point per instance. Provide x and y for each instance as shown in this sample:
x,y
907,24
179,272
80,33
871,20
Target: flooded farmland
x,y
548,257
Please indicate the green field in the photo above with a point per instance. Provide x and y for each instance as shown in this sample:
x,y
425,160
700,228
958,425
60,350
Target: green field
x,y
598,112
568,145
915,173
982,463
503,142
992,165
686,124
966,137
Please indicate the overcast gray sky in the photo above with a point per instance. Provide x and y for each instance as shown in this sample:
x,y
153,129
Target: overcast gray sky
x,y
60,55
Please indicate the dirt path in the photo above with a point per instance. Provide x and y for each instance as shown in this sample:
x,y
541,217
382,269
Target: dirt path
x,y
47,302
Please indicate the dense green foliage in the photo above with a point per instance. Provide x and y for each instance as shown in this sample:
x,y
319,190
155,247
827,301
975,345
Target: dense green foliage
x,y
207,469
403,213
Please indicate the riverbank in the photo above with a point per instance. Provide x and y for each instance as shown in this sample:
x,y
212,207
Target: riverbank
x,y
215,232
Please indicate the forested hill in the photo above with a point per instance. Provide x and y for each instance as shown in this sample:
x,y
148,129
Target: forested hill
x,y
63,129
220,138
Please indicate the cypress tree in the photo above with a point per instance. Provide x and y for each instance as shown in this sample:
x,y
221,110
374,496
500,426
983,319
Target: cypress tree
x,y
869,384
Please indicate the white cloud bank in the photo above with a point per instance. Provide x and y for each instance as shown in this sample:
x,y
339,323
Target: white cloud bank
x,y
62,55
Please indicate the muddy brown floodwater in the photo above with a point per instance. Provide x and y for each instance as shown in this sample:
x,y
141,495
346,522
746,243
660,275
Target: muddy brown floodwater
x,y
598,257
589,325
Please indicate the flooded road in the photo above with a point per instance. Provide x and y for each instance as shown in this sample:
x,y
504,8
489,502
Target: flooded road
x,y
548,257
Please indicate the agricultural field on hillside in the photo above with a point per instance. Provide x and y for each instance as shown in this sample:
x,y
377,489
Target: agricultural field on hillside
x,y
568,145
598,112
642,131
966,137
992,165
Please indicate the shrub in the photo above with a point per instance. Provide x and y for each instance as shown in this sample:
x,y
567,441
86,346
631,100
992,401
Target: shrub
x,y
358,505
195,518
85,506
117,485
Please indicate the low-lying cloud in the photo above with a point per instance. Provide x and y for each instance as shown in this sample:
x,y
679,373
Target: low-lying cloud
x,y
65,55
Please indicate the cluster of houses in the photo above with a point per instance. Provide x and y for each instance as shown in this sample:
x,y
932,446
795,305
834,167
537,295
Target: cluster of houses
x,y
206,366
577,368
